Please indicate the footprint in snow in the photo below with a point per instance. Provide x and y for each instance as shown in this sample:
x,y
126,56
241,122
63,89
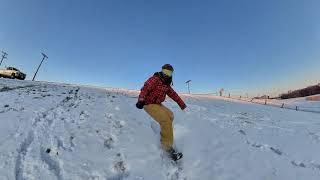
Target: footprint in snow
x,y
109,143
298,164
109,115
277,151
119,168
242,132
84,115
50,158
119,124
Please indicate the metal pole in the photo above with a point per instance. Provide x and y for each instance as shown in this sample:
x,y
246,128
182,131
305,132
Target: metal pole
x,y
4,56
187,82
44,57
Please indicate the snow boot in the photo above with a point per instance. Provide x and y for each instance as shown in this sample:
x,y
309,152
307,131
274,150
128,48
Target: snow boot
x,y
174,155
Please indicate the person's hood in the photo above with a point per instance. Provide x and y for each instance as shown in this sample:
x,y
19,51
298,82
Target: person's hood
x,y
166,80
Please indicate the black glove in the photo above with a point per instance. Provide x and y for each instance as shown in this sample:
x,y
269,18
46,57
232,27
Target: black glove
x,y
140,104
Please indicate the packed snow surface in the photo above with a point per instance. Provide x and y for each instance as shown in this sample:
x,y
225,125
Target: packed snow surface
x,y
70,132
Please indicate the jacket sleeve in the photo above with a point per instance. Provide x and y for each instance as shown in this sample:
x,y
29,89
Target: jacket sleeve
x,y
173,95
148,86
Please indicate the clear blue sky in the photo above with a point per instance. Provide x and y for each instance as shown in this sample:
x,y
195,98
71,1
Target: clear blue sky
x,y
244,46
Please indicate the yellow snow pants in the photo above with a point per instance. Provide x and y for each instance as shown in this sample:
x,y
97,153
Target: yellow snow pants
x,y
164,117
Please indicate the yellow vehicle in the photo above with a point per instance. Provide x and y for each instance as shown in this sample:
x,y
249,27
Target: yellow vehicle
x,y
13,73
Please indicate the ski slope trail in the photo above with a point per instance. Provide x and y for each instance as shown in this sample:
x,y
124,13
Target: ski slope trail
x,y
65,132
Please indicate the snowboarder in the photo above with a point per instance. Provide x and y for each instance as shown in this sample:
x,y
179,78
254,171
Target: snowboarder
x,y
152,94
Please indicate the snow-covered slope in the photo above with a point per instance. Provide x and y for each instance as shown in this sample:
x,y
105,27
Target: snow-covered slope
x,y
300,104
59,131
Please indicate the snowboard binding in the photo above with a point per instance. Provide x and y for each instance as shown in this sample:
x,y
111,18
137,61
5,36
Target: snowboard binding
x,y
174,155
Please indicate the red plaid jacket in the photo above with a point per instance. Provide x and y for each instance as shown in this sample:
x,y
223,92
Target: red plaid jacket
x,y
155,90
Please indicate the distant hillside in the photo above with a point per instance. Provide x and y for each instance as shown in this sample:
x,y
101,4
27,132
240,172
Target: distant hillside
x,y
311,90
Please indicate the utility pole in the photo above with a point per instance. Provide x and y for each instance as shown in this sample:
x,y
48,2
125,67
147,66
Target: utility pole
x,y
4,56
221,91
188,82
44,57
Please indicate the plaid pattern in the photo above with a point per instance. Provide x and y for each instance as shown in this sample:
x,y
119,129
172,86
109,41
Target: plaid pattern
x,y
155,90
